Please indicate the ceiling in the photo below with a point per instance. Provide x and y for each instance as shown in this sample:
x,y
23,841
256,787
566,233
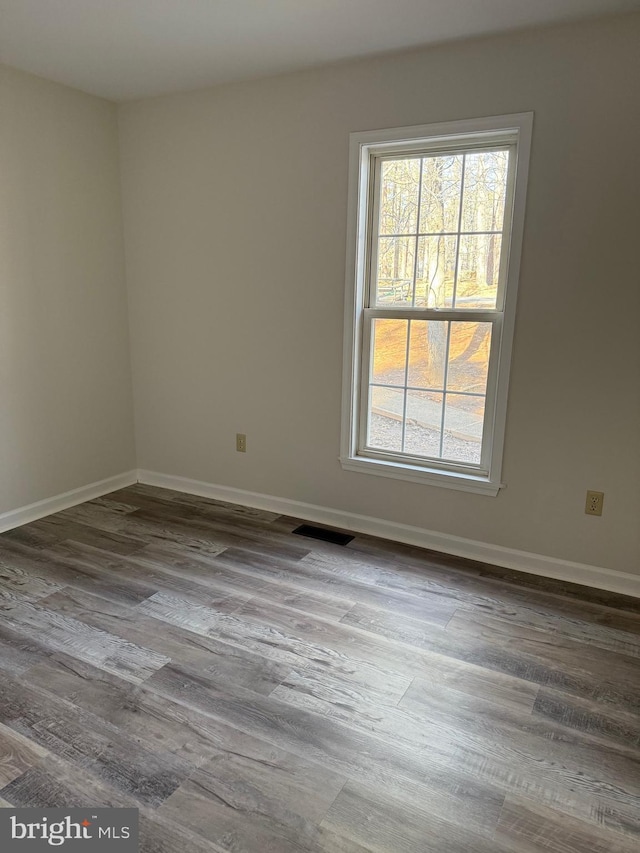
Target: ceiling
x,y
126,49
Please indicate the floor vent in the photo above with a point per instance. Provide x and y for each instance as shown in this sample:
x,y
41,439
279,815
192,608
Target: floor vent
x,y
321,533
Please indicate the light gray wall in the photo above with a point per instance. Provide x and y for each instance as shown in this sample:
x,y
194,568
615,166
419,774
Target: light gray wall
x,y
65,383
235,216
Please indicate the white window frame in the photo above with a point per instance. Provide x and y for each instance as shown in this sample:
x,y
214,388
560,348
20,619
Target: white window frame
x,y
365,147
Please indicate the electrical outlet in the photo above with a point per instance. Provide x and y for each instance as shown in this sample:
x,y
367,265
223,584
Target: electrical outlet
x,y
594,503
241,442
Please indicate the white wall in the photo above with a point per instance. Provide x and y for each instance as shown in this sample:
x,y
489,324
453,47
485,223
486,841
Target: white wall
x,y
235,217
65,384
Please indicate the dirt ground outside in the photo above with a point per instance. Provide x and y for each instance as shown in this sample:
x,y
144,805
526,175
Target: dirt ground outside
x,y
468,359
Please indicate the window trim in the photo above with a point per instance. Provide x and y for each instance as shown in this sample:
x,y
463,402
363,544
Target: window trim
x,y
493,130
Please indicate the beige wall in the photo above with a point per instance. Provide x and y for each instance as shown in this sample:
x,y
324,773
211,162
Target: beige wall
x,y
235,215
65,386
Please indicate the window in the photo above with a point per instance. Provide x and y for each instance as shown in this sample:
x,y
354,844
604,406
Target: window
x,y
436,217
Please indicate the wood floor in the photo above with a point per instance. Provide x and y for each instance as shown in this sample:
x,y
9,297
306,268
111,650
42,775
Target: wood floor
x,y
253,691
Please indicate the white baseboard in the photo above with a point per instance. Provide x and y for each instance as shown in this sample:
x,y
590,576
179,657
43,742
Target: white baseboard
x,y
32,512
522,561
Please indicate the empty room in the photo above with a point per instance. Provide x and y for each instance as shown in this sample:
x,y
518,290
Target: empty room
x,y
320,426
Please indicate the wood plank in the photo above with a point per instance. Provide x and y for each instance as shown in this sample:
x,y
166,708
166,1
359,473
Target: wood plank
x,y
524,828
213,574
245,817
335,693
107,651
61,785
18,584
143,495
460,674
17,755
133,525
175,521
476,681
19,651
596,719
388,825
306,575
262,798
307,789
150,720
608,676
336,747
97,513
89,535
480,737
493,576
258,636
536,607
86,574
562,664
569,774
29,535
85,740
208,655
147,578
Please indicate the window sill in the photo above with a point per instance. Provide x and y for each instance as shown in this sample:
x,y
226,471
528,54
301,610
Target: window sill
x,y
427,476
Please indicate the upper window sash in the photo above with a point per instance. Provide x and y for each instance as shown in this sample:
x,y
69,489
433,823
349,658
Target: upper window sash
x,y
376,156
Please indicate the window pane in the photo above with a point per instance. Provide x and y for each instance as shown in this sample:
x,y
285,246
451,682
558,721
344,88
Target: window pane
x,y
478,271
399,181
464,348
469,346
424,419
435,272
463,419
389,352
385,418
395,270
427,353
440,197
485,188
